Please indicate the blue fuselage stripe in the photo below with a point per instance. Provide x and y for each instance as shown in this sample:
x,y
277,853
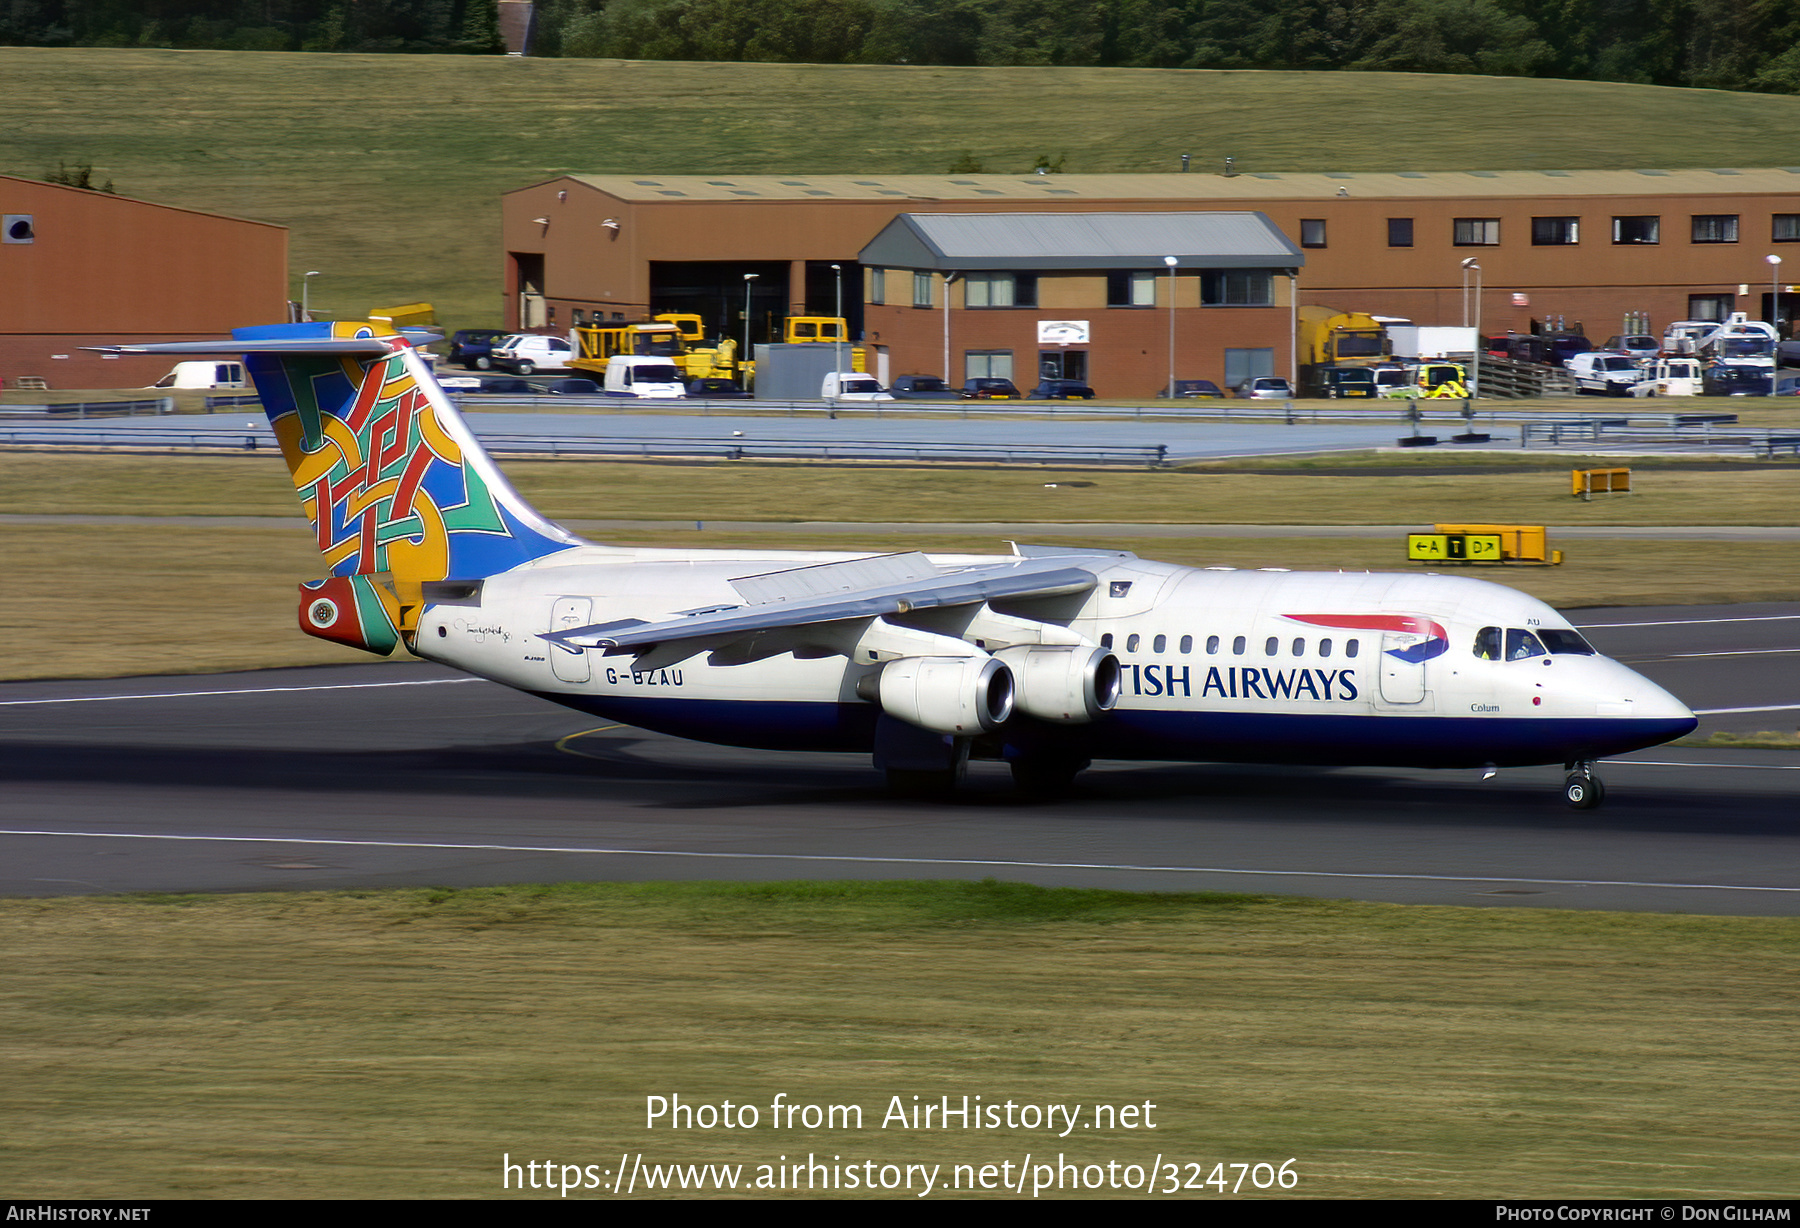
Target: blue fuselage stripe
x,y
1139,733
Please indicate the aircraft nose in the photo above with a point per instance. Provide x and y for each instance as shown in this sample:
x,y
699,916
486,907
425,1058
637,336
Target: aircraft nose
x,y
1649,702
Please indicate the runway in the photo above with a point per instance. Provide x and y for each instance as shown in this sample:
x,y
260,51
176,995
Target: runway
x,y
387,775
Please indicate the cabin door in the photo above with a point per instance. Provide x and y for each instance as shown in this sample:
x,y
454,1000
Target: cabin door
x,y
1402,678
570,664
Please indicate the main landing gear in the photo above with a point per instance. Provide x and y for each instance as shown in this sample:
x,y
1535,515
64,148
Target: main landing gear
x,y
1583,790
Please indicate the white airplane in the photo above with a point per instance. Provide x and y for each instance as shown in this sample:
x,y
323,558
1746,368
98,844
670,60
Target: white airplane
x,y
1046,658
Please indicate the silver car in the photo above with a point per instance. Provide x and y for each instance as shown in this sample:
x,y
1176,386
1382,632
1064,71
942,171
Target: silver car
x,y
1265,388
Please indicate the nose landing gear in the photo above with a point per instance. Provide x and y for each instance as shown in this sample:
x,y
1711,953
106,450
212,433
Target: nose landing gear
x,y
1583,790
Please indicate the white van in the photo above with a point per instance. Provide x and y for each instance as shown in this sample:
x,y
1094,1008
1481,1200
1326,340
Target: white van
x,y
206,377
1599,371
853,386
643,375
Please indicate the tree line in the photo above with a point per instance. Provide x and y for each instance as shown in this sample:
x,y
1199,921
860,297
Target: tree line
x,y
423,26
1719,44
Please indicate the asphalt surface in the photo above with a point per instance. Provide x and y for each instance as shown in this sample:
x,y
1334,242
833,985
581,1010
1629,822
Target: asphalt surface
x,y
386,775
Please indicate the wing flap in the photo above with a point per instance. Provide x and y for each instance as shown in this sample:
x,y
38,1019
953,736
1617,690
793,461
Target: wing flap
x,y
1014,578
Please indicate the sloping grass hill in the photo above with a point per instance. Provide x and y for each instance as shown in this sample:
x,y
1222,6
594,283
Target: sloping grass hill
x,y
389,169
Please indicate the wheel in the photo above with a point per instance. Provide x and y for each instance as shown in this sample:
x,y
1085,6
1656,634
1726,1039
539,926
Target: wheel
x,y
484,363
526,366
1583,792
1043,778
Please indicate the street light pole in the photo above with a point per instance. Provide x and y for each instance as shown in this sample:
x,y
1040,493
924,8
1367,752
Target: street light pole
x,y
1170,261
745,356
948,278
1475,350
837,346
1774,317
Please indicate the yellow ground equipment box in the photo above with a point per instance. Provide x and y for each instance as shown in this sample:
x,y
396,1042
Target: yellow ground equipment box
x,y
1519,543
1585,483
1453,547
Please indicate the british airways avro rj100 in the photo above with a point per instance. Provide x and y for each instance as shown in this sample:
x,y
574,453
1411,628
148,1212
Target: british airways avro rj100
x,y
1046,658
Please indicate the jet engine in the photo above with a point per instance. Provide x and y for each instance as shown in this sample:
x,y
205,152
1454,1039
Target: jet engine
x,y
953,695
1064,683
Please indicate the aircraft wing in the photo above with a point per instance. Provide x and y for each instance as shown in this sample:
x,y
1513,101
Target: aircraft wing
x,y
1052,575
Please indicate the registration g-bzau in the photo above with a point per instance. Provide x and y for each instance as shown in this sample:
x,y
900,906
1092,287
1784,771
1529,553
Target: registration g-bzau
x,y
1045,657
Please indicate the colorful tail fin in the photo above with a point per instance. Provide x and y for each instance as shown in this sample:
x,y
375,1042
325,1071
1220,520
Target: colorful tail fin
x,y
398,490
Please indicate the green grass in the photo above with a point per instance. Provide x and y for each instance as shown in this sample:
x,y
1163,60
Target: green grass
x,y
1766,739
1403,490
389,169
396,1044
180,598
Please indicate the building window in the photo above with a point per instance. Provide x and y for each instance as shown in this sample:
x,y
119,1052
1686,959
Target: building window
x,y
1555,231
1400,232
1476,232
1312,232
987,364
1642,231
1000,290
1128,289
1241,366
1715,228
1237,288
878,286
1711,306
921,289
988,290
578,317
1785,228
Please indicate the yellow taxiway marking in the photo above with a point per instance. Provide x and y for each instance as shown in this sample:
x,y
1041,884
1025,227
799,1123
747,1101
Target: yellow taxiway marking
x,y
562,743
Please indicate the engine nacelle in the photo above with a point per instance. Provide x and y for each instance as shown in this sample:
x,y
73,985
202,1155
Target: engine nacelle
x,y
953,695
1068,684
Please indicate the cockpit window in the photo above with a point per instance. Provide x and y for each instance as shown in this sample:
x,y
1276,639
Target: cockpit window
x,y
1487,644
1565,642
1522,644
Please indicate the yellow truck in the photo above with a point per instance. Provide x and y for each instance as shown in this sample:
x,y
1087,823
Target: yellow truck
x,y
677,336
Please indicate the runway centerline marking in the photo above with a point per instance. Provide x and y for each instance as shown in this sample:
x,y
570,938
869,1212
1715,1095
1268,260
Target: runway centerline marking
x,y
1735,652
261,690
1727,711
1699,622
910,861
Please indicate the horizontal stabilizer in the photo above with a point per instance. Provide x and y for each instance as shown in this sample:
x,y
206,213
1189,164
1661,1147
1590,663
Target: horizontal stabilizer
x,y
273,345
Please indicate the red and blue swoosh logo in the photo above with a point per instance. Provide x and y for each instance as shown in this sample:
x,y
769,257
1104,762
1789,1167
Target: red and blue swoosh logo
x,y
1436,640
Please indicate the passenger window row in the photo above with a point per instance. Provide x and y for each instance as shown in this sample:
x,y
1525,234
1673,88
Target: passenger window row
x,y
1239,645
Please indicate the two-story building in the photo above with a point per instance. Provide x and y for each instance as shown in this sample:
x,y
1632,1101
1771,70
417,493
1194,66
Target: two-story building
x,y
1121,301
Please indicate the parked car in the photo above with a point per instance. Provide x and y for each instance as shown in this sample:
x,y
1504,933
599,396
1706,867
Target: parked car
x,y
524,353
1201,388
1638,345
1788,386
1265,388
1564,346
1061,390
921,388
507,385
1720,380
1336,382
472,348
716,388
989,389
572,387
